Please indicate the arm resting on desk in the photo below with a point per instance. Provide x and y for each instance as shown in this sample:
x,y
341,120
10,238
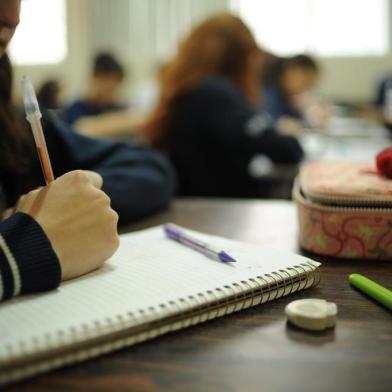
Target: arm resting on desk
x,y
123,122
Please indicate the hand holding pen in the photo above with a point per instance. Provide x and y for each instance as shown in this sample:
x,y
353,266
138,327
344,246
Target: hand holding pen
x,y
72,210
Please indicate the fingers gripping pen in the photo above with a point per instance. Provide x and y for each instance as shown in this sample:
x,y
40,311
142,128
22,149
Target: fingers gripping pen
x,y
33,116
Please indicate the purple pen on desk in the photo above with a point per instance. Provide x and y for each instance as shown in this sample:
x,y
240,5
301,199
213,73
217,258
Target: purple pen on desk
x,y
175,233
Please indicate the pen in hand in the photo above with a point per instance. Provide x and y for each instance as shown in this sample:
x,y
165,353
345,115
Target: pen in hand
x,y
33,116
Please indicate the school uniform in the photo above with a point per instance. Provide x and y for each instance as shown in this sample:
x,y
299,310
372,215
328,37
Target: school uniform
x,y
82,108
138,181
278,105
213,135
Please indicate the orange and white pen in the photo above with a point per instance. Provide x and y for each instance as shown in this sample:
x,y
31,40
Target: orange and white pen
x,y
33,116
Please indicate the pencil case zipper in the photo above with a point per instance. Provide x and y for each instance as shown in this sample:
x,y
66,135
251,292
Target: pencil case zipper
x,y
331,203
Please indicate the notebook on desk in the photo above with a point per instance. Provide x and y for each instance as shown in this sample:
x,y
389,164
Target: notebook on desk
x,y
150,287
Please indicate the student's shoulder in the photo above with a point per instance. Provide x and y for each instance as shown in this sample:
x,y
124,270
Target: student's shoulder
x,y
77,104
215,90
74,110
216,85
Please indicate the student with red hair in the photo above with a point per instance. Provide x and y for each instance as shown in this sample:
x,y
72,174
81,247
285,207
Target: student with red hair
x,y
208,118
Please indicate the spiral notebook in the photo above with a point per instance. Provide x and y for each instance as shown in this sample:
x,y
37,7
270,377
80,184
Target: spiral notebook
x,y
150,287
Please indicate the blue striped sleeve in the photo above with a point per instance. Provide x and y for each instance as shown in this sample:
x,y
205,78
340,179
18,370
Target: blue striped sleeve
x,y
28,263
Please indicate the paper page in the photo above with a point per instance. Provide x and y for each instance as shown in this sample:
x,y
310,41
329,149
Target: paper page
x,y
148,270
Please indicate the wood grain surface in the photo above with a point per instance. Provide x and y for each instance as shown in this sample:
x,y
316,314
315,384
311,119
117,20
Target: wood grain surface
x,y
253,350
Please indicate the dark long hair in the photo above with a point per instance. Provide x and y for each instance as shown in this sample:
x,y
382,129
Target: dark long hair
x,y
14,138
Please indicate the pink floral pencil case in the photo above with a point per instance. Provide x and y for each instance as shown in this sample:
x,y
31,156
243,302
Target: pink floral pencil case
x,y
344,210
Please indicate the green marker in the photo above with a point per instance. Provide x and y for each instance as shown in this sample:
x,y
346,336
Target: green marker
x,y
372,289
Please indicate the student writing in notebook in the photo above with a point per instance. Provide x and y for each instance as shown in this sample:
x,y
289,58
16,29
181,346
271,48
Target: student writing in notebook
x,y
208,118
69,227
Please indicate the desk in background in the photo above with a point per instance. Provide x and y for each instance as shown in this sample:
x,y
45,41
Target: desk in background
x,y
345,139
253,350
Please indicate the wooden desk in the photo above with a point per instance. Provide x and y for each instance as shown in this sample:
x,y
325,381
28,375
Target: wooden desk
x,y
254,350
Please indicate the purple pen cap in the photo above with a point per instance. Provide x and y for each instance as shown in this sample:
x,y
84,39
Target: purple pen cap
x,y
171,231
223,256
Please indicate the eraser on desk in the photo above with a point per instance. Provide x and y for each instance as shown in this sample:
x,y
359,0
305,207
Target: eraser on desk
x,y
312,314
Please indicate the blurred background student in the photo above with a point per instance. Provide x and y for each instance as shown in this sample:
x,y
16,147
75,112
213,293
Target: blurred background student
x,y
99,112
383,102
48,94
286,80
208,118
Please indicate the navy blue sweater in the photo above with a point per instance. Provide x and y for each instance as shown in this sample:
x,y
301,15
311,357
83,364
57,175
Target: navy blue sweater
x,y
278,105
214,133
137,180
82,108
381,91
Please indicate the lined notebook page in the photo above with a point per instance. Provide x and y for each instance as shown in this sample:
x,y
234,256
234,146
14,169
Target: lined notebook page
x,y
147,270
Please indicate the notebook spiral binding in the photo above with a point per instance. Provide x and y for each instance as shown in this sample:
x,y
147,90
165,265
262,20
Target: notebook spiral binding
x,y
89,341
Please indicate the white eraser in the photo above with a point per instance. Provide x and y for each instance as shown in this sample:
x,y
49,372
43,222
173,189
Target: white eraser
x,y
313,314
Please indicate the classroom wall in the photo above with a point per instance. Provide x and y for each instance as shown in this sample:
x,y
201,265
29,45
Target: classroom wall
x,y
72,71
144,32
354,78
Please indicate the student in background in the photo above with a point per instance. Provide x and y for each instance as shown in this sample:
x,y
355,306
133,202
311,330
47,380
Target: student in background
x,y
380,109
284,80
99,113
48,94
384,101
382,91
208,117
69,227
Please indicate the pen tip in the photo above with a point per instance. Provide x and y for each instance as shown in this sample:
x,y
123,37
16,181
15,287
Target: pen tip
x,y
223,256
